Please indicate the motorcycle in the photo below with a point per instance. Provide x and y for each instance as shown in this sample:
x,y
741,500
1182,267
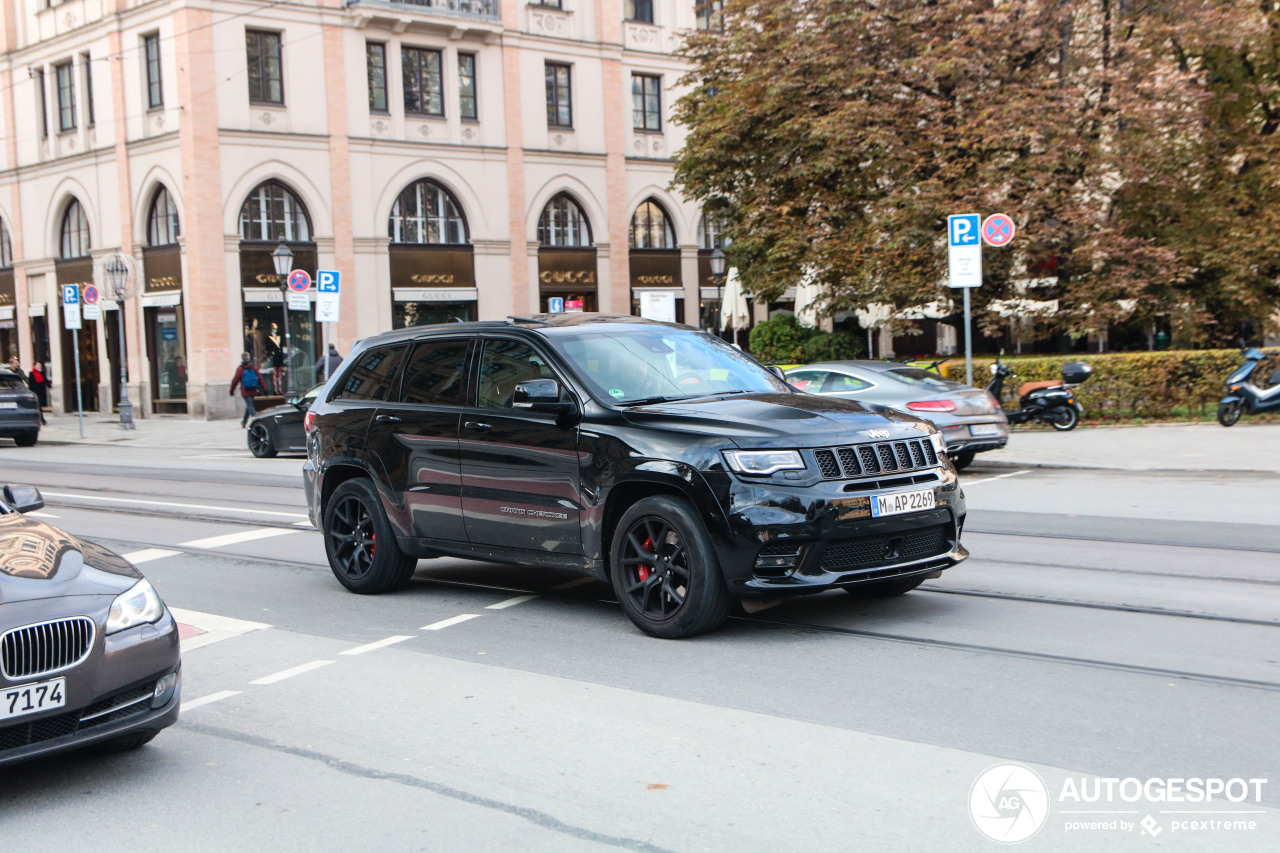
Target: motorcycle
x,y
1243,397
1049,402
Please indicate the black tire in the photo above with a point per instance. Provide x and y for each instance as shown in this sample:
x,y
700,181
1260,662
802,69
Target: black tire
x,y
27,439
886,589
124,744
963,459
678,591
261,444
359,541
1063,418
1229,412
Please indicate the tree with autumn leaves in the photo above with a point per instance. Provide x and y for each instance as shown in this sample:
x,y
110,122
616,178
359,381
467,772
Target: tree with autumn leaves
x,y
1134,143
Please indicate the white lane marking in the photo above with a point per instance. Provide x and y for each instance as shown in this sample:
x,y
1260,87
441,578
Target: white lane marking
x,y
39,514
306,524
571,584
216,628
380,644
291,672
146,555
219,456
996,477
446,623
235,538
180,506
205,700
511,602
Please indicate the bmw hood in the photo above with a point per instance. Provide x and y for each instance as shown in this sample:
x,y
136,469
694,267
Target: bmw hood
x,y
39,561
780,420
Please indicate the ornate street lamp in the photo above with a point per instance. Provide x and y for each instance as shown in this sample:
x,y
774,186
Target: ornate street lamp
x,y
718,264
117,275
282,257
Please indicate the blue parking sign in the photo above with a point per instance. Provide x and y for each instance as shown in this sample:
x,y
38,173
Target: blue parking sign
x,y
328,281
70,294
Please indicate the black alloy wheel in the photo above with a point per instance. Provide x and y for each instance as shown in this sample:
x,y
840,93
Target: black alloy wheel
x,y
27,439
360,544
261,444
664,570
1229,412
1063,418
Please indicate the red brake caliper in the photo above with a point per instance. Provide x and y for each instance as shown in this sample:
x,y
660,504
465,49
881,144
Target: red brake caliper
x,y
644,570
372,543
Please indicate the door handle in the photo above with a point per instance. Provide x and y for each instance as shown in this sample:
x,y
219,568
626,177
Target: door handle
x,y
387,419
477,426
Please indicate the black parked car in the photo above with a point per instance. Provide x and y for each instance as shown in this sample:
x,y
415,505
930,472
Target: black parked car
x,y
649,455
88,651
19,410
280,427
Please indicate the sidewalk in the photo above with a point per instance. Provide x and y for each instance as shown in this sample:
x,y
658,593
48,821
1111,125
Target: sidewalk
x,y
163,431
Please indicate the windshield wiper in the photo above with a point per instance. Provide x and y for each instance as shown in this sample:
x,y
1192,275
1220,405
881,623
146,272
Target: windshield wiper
x,y
645,401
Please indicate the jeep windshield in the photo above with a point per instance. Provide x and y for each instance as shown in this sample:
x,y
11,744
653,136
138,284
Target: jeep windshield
x,y
659,364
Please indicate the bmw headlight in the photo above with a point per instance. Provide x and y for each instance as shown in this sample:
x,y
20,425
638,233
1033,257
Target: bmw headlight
x,y
138,606
761,463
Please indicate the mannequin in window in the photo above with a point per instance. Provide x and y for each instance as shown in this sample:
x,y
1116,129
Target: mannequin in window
x,y
277,360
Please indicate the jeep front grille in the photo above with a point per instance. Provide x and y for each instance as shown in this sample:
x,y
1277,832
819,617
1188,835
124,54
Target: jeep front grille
x,y
865,460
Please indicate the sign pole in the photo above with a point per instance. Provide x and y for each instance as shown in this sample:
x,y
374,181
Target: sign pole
x,y
968,340
75,345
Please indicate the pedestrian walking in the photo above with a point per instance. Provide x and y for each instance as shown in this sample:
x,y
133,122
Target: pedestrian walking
x,y
250,383
16,367
39,383
328,363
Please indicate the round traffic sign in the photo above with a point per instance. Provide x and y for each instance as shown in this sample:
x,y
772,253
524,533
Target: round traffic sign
x,y
998,230
90,295
299,281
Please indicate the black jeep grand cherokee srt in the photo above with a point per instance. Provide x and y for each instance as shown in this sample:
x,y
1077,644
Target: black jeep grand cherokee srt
x,y
649,455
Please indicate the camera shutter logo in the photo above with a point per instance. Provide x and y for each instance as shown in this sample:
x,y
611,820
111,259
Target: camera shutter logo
x,y
1009,803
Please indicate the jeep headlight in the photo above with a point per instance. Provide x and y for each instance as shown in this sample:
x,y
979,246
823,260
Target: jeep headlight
x,y
139,605
761,463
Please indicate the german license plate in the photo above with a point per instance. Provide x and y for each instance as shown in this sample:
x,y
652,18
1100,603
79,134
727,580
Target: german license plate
x,y
984,429
901,502
8,404
33,698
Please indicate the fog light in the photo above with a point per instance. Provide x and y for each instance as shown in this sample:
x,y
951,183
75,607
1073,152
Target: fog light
x,y
779,558
165,688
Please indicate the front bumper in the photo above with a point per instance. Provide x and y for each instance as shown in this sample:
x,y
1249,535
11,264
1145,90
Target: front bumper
x,y
835,539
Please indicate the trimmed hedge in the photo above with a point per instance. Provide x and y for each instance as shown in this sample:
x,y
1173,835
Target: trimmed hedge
x,y
1128,384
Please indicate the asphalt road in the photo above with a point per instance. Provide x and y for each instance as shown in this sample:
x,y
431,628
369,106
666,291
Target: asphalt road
x,y
1110,624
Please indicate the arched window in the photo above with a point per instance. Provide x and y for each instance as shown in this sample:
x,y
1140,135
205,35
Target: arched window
x,y
711,233
6,250
651,229
563,223
75,232
272,213
426,213
162,222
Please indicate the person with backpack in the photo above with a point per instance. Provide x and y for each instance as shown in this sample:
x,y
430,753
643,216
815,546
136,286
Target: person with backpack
x,y
250,382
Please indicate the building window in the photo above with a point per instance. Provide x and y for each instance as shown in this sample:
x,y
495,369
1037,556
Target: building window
x,y
559,108
711,233
376,58
88,88
75,232
66,96
646,102
467,85
151,53
423,91
651,229
426,213
266,81
6,249
563,223
709,14
554,4
638,10
272,212
41,103
162,222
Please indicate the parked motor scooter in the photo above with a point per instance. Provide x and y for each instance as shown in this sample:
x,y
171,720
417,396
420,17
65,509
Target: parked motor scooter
x,y
1243,397
1049,402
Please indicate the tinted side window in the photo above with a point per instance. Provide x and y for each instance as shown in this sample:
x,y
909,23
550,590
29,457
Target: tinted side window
x,y
840,383
505,363
373,376
435,373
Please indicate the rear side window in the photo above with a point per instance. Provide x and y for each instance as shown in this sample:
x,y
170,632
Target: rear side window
x,y
842,383
373,376
435,373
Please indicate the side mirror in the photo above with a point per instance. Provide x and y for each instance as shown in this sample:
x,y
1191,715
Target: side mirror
x,y
777,371
293,401
23,498
540,395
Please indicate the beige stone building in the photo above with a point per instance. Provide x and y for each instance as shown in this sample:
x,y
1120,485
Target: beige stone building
x,y
450,158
